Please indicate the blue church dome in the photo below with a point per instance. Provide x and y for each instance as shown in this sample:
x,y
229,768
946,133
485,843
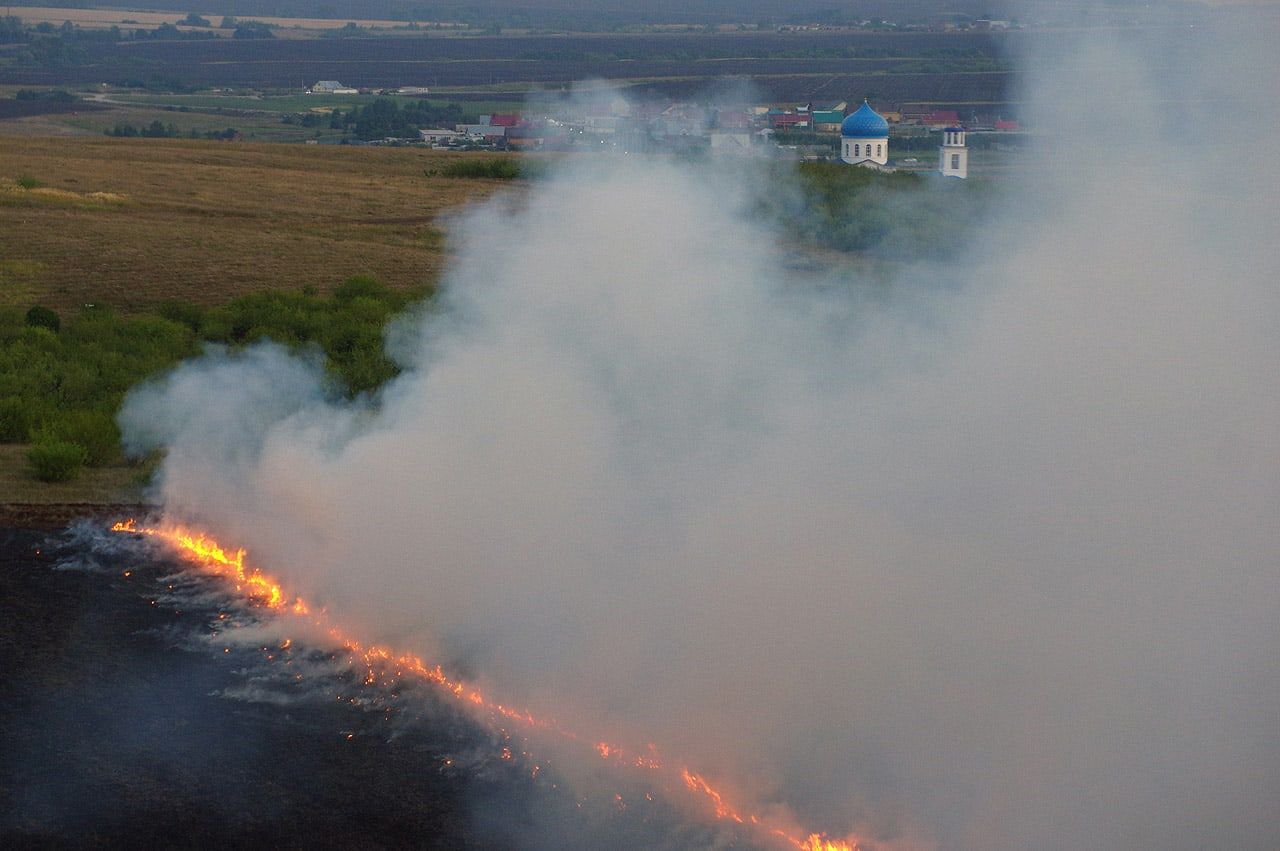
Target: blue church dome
x,y
866,123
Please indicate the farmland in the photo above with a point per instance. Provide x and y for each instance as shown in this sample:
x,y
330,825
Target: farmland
x,y
952,67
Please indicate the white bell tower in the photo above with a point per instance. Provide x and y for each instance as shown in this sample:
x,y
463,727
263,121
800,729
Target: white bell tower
x,y
953,156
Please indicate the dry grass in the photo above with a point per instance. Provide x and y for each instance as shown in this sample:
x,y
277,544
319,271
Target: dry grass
x,y
97,485
130,222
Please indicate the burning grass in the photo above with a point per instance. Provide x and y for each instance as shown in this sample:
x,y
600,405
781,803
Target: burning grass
x,y
383,666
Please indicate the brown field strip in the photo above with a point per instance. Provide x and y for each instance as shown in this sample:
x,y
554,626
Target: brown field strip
x,y
135,221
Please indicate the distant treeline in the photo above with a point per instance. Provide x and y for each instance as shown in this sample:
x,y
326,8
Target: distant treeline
x,y
158,130
386,119
62,380
27,102
55,95
50,44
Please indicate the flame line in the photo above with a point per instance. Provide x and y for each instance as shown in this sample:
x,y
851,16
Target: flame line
x,y
203,551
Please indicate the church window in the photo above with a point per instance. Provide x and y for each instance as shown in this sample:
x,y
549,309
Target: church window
x,y
955,161
877,150
856,149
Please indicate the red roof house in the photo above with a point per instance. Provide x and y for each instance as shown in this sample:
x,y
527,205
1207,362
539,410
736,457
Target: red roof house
x,y
942,118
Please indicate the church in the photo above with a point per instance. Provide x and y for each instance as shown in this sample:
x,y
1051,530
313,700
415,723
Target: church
x,y
864,141
864,138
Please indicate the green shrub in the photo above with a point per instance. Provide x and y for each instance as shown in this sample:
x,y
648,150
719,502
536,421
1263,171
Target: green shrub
x,y
56,461
61,385
95,431
361,286
15,420
496,168
191,315
28,182
42,317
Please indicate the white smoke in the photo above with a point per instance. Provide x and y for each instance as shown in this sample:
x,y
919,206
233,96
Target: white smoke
x,y
992,561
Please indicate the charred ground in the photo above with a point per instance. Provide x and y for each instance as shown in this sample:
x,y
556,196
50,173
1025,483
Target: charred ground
x,y
134,714
115,734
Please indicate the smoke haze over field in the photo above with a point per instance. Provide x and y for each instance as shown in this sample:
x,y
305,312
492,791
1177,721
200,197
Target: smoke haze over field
x,y
988,563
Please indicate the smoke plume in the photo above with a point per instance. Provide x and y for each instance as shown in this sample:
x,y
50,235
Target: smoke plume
x,y
988,560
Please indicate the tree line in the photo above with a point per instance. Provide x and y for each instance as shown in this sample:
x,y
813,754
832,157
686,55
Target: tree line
x,y
386,119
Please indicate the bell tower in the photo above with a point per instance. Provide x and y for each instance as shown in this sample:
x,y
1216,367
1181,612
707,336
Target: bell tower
x,y
953,156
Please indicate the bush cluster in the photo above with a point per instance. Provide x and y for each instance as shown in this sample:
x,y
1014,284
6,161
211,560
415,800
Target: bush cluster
x,y
62,379
895,216
497,168
386,119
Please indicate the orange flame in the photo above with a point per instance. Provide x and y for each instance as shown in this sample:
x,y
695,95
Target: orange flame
x,y
382,663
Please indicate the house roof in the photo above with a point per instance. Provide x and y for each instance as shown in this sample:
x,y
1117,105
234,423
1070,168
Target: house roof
x,y
942,116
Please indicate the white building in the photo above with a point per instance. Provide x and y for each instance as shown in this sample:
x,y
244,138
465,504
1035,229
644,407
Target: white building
x,y
437,136
332,87
953,156
864,138
482,131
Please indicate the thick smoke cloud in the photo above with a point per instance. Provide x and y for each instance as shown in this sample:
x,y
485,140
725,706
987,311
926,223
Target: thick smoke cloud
x,y
988,563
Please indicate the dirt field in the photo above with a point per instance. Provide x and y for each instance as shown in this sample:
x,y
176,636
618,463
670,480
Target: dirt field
x,y
136,221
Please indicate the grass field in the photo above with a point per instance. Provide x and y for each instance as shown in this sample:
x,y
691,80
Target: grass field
x,y
207,221
134,222
253,126
117,484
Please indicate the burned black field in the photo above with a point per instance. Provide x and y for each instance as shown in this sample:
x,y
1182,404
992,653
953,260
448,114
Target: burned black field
x,y
144,706
117,731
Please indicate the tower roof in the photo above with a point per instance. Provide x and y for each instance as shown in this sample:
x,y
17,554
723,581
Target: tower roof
x,y
866,123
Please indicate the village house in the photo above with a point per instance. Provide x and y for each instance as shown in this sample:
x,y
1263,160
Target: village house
x,y
437,136
331,87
